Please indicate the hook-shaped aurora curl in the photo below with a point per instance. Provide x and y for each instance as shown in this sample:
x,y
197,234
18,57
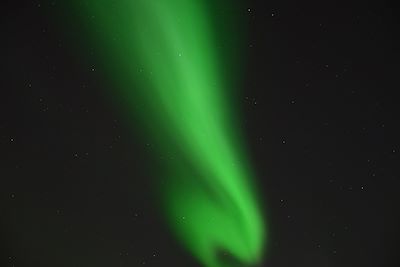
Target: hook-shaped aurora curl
x,y
166,51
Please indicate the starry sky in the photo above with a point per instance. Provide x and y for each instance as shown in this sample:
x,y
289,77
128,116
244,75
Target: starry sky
x,y
320,109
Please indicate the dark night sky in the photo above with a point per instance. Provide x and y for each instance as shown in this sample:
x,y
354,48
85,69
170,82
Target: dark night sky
x,y
321,116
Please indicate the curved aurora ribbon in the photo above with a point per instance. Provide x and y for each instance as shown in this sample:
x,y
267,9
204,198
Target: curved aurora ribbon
x,y
164,52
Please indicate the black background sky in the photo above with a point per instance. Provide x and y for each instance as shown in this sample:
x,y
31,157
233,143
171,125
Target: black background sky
x,y
321,116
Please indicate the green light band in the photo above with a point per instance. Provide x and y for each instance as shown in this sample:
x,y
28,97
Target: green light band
x,y
165,51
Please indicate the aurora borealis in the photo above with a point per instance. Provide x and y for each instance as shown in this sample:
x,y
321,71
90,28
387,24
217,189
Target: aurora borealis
x,y
170,48
199,133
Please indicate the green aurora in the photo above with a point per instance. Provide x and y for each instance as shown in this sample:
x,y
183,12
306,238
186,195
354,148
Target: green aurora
x,y
166,58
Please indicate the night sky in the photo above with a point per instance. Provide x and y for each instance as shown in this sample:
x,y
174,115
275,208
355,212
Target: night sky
x,y
319,102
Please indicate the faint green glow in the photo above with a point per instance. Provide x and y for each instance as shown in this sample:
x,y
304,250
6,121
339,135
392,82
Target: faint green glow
x,y
164,53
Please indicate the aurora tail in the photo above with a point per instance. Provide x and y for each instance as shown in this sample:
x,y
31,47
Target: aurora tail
x,y
164,54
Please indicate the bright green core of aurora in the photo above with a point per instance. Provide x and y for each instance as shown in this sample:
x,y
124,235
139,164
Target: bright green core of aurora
x,y
164,56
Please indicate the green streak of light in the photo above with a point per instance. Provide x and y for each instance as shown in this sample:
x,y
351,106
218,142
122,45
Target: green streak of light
x,y
165,51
